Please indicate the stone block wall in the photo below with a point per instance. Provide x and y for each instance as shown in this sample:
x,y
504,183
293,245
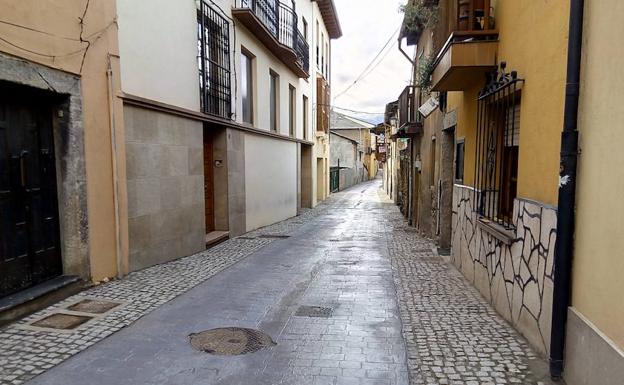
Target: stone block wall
x,y
165,171
516,278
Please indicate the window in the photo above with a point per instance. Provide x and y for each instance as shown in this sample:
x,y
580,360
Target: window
x,y
213,46
305,28
327,60
498,133
305,117
318,53
247,87
432,162
273,101
322,53
292,106
459,161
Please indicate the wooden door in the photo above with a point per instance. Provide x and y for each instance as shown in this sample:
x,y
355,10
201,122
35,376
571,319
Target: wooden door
x,y
29,227
209,180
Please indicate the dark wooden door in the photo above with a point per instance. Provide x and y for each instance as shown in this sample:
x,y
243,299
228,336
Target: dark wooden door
x,y
29,228
209,181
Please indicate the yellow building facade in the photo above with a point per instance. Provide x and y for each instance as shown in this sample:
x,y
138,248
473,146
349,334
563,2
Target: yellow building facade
x,y
595,329
508,127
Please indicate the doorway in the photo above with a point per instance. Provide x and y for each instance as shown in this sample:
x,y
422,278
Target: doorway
x,y
306,176
320,180
30,250
209,180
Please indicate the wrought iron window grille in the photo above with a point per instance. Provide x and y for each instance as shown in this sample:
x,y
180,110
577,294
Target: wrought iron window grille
x,y
497,146
213,46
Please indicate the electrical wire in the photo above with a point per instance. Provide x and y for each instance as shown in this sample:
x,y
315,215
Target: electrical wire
x,y
37,30
351,110
96,34
366,72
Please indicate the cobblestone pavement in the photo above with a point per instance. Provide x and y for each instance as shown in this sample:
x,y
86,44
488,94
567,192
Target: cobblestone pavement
x,y
26,353
453,335
397,313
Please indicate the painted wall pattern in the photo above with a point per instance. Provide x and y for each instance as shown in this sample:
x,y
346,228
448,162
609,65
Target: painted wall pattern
x,y
517,278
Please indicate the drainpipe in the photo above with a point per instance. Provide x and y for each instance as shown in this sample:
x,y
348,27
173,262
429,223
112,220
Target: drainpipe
x,y
403,51
410,193
567,193
111,117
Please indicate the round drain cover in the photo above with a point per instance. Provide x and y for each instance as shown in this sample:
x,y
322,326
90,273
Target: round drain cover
x,y
230,341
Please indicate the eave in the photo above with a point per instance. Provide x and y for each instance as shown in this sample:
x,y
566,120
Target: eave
x,y
330,18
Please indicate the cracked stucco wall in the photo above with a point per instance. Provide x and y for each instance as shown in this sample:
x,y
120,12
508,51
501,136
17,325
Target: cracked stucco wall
x,y
77,39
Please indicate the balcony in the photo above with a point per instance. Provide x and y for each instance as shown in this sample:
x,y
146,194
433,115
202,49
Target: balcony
x,y
275,25
470,52
466,58
410,120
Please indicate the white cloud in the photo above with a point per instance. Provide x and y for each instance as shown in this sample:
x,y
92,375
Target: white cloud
x,y
366,26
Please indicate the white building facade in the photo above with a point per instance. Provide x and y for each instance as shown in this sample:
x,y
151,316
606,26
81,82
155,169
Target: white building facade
x,y
221,117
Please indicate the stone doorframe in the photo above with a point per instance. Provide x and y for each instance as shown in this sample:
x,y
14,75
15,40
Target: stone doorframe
x,y
70,154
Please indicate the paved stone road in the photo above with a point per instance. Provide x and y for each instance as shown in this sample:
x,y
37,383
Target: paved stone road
x,y
400,314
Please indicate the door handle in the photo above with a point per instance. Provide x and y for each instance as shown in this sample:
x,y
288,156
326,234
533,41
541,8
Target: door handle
x,y
23,178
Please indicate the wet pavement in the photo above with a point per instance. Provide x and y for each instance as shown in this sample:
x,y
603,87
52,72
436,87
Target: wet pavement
x,y
347,294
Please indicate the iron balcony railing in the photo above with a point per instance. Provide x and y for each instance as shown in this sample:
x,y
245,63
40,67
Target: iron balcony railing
x,y
281,21
303,52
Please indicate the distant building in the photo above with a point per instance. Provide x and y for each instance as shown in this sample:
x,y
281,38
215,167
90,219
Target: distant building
x,y
358,132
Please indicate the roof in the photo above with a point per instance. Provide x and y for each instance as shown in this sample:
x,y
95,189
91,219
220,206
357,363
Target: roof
x,y
340,121
330,17
343,137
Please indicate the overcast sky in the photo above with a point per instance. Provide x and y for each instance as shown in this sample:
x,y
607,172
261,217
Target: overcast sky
x,y
367,25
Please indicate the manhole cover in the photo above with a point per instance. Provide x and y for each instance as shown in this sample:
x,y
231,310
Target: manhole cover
x,y
93,306
61,321
230,341
314,311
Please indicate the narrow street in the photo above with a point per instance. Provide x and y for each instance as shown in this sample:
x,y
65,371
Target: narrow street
x,y
352,256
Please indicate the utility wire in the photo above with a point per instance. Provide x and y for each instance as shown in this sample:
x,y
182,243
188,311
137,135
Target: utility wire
x,y
350,110
37,30
364,72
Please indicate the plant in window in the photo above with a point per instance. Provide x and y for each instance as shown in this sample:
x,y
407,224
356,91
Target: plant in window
x,y
419,15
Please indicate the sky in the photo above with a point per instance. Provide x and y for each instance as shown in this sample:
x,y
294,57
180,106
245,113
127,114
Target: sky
x,y
367,25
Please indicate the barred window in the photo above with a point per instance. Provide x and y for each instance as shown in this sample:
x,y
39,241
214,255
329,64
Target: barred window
x,y
497,147
213,46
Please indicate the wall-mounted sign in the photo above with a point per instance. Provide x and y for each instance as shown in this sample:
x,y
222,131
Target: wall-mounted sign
x,y
429,106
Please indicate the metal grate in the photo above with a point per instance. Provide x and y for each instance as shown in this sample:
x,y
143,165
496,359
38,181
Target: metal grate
x,y
61,321
93,306
274,236
230,341
314,311
213,47
497,147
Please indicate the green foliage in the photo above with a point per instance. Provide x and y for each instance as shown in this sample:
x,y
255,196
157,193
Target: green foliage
x,y
419,15
423,72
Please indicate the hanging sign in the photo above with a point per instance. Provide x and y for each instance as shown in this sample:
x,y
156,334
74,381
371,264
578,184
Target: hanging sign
x,y
429,106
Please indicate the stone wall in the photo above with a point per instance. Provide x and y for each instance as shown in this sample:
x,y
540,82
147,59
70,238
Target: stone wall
x,y
516,278
165,170
69,142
